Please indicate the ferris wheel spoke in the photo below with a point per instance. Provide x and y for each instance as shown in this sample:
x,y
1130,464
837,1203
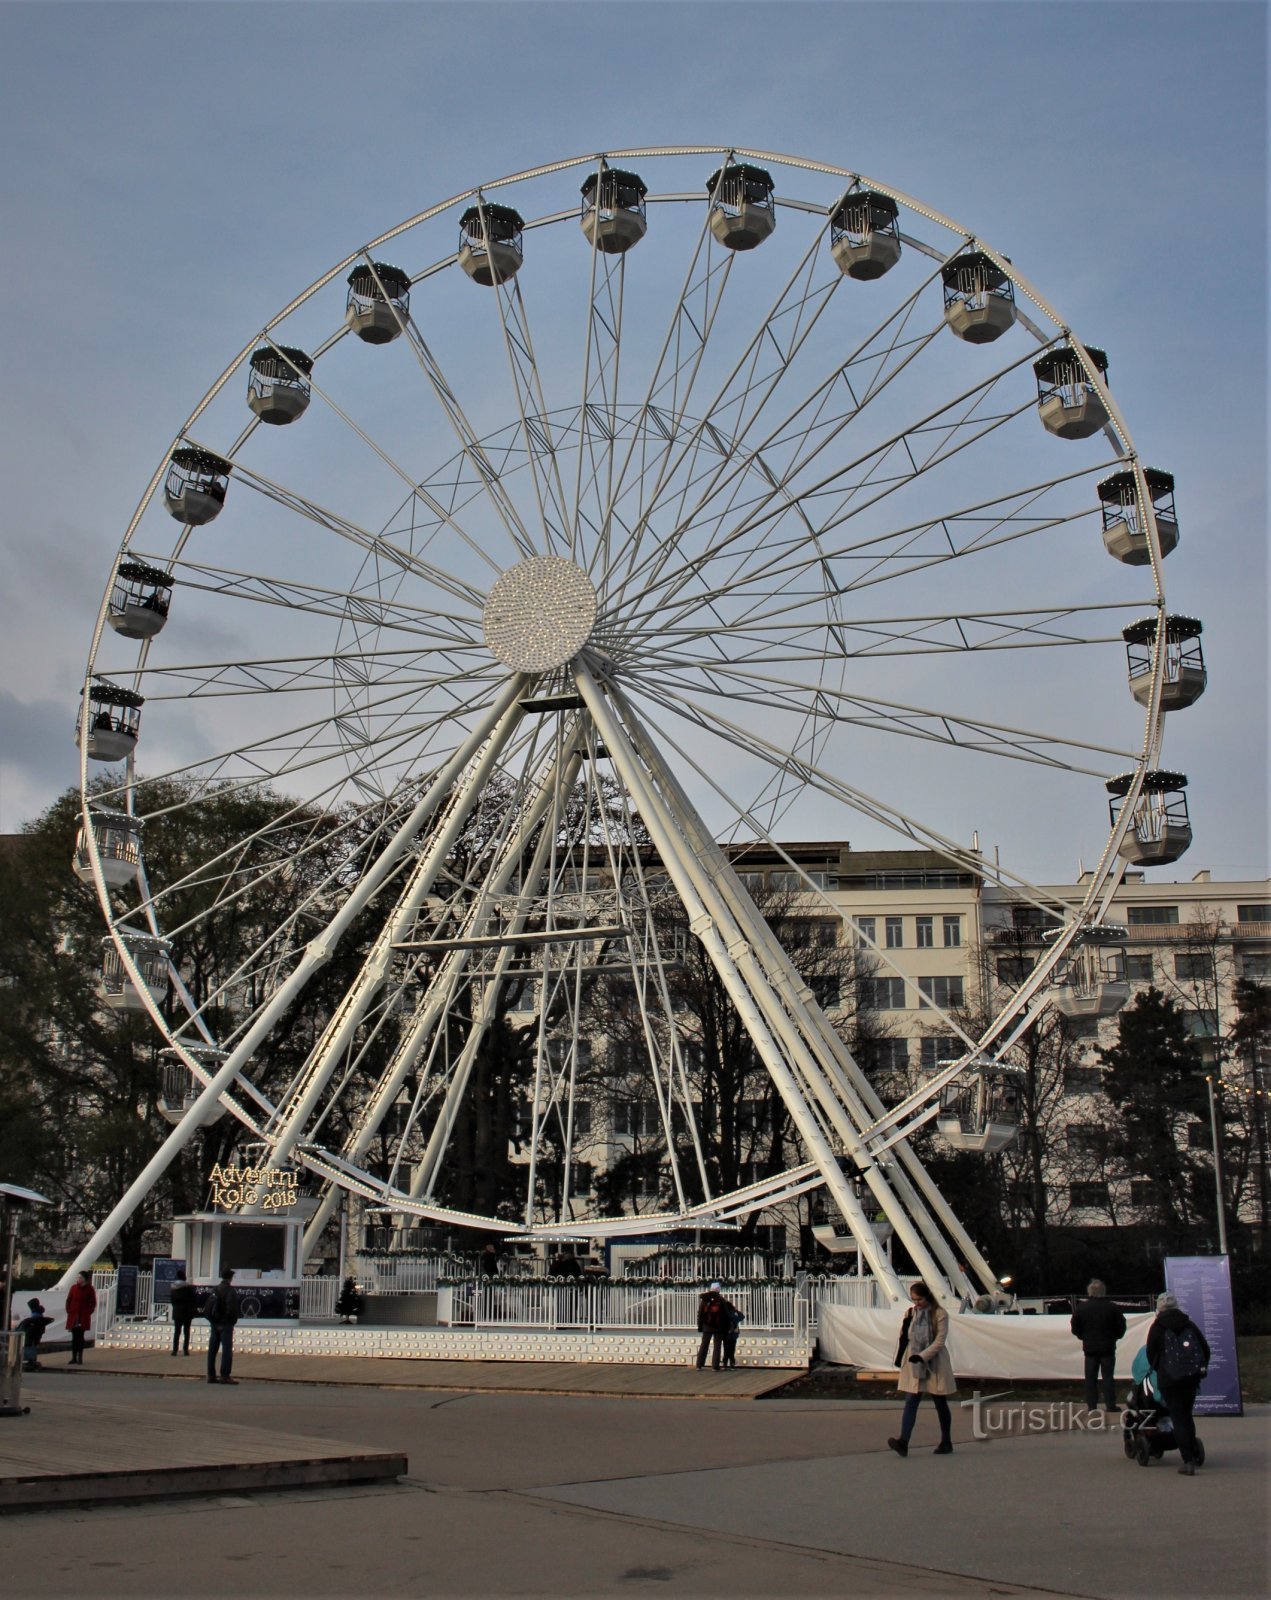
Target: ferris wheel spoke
x,y
370,607
877,359
869,712
376,545
857,485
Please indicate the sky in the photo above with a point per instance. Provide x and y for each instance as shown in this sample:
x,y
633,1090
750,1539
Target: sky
x,y
186,168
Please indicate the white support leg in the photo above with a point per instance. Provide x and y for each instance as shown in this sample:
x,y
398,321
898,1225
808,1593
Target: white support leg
x,y
694,889
317,953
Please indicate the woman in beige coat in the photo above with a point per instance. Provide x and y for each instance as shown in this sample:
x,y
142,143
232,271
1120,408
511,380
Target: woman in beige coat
x,y
925,1368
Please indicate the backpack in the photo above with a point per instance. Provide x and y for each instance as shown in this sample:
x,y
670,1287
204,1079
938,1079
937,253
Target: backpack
x,y
1180,1356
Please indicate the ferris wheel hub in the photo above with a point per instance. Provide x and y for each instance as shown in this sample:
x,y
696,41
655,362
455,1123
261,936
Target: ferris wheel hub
x,y
539,614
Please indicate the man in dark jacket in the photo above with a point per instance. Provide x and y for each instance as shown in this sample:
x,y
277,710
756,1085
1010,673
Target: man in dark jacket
x,y
713,1313
222,1314
185,1302
1174,1341
1099,1325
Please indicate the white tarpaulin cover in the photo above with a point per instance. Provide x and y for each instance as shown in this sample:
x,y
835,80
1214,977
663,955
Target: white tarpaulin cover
x,y
980,1347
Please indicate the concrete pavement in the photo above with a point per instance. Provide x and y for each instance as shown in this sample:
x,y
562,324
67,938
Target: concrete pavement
x,y
535,1494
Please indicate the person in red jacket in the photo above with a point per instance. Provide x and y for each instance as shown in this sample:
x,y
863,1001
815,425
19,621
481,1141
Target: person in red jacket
x,y
81,1302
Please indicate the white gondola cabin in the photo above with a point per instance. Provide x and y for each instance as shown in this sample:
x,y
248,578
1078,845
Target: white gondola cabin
x,y
979,1109
114,722
378,302
613,216
139,600
1091,980
1124,529
1184,677
743,212
491,249
979,298
178,1089
1160,830
118,839
195,487
1068,402
865,235
278,383
150,956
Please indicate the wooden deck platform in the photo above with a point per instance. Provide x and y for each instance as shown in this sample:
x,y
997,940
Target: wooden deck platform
x,y
72,1450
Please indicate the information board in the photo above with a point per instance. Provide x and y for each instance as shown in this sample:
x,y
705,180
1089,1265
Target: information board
x,y
1202,1287
166,1270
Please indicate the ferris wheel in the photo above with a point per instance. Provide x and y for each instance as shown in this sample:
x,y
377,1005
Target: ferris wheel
x,y
518,574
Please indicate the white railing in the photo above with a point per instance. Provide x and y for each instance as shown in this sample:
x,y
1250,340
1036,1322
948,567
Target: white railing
x,y
401,1274
651,1307
317,1299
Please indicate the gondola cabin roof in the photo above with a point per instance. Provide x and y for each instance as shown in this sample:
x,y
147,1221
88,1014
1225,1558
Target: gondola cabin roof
x,y
363,278
192,459
278,360
139,572
1056,363
1155,782
1119,483
1176,630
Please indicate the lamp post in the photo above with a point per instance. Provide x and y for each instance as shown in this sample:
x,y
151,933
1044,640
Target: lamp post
x,y
1218,1174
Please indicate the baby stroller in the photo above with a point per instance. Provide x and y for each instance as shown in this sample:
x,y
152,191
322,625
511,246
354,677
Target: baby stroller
x,y
1146,1433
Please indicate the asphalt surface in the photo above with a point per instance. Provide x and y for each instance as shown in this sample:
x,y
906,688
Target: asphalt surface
x,y
537,1495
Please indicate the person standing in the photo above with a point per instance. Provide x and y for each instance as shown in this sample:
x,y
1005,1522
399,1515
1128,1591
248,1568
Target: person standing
x,y
185,1302
731,1332
712,1323
81,1303
1099,1325
925,1368
1179,1355
223,1315
32,1329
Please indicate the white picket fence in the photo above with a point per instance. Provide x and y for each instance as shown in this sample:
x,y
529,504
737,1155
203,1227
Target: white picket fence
x,y
317,1301
651,1307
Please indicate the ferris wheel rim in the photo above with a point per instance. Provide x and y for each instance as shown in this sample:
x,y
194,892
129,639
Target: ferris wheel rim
x,y
1126,449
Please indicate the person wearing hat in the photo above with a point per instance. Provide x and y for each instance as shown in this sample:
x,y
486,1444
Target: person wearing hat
x,y
222,1313
1179,1355
32,1329
713,1315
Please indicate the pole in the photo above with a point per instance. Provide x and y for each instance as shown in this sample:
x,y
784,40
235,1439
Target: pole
x,y
1218,1173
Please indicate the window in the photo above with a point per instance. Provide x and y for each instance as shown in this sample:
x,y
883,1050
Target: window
x,y
825,991
1088,1196
582,1116
890,1055
810,933
883,994
1138,969
1257,913
867,927
937,1050
945,992
924,936
1083,1080
952,932
1194,965
1145,916
1087,1139
1201,1024
1033,917
1081,1027
1142,1192
1255,966
1014,969
1199,1136
636,1117
895,932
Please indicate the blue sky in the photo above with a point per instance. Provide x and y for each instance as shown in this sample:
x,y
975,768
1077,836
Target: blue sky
x,y
185,168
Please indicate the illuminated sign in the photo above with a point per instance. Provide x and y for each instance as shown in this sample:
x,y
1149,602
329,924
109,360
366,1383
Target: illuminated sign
x,y
271,1189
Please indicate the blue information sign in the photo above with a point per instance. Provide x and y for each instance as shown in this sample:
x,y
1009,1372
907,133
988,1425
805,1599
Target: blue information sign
x,y
1202,1287
166,1269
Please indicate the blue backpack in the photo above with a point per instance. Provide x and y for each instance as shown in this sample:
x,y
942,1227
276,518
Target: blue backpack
x,y
1181,1356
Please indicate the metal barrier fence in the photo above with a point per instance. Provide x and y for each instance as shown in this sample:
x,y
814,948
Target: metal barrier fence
x,y
317,1300
656,1308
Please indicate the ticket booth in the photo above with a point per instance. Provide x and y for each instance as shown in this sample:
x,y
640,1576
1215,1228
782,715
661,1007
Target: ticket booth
x,y
266,1254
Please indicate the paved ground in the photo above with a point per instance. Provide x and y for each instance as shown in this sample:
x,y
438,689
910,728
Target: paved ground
x,y
548,1377
537,1494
